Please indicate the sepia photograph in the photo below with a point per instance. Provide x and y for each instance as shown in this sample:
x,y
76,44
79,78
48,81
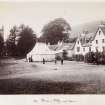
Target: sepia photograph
x,y
52,47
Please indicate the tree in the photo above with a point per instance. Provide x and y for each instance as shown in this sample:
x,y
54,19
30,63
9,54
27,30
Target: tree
x,y
56,30
26,41
11,41
1,44
21,40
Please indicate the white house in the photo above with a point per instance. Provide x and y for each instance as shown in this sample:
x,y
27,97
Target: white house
x,y
91,42
78,47
98,41
61,46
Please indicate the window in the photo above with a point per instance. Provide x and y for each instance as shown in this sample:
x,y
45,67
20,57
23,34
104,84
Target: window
x,y
84,49
99,32
103,40
78,49
78,42
96,49
103,48
96,41
89,49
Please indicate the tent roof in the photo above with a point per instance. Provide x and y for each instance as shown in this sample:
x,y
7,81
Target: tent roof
x,y
41,48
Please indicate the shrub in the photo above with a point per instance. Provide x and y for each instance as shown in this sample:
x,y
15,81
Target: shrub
x,y
78,57
65,55
89,57
95,57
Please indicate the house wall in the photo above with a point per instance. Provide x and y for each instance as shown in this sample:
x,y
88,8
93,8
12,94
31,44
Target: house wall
x,y
85,50
70,53
78,49
97,43
100,44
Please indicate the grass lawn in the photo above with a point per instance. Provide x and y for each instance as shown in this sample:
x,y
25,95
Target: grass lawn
x,y
21,77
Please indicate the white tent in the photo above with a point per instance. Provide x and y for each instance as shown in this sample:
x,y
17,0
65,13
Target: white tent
x,y
41,51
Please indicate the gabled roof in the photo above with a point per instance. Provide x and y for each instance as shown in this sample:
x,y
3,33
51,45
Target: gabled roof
x,y
40,48
71,46
86,39
100,27
53,47
103,29
87,44
64,46
67,46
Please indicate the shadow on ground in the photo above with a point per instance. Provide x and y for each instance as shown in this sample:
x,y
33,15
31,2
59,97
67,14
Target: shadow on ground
x,y
21,86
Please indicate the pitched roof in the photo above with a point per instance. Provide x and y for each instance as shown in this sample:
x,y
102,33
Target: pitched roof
x,y
53,47
40,48
87,38
66,46
86,44
102,27
71,46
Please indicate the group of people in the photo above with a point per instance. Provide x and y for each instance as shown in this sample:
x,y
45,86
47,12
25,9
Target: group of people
x,y
61,61
55,61
30,60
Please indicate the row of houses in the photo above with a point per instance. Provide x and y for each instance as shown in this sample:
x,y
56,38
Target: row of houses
x,y
91,42
85,43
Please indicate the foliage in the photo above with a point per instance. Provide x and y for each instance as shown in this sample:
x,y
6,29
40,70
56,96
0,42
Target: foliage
x,y
78,57
72,40
95,57
11,41
65,54
56,30
90,57
21,40
26,41
1,45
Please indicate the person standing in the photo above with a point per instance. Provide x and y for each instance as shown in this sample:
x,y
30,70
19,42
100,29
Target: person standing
x,y
55,60
31,58
61,61
43,61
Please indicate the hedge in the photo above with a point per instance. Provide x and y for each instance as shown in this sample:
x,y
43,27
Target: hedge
x,y
95,57
78,57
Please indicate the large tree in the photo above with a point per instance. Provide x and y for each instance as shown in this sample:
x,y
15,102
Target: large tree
x,y
56,30
21,40
26,41
11,41
1,45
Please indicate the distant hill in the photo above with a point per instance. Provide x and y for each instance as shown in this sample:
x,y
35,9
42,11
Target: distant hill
x,y
91,27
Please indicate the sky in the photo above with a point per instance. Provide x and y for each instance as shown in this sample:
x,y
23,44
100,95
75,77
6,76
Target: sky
x,y
36,13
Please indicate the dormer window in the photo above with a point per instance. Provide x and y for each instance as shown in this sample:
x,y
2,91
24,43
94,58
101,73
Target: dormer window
x,y
99,32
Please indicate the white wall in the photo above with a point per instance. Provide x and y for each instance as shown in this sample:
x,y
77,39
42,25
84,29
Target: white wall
x,y
78,44
70,53
99,39
86,50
